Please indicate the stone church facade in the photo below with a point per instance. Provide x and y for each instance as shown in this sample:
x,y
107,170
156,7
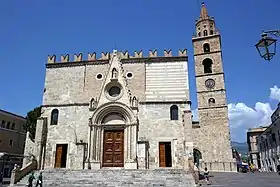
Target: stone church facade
x,y
134,112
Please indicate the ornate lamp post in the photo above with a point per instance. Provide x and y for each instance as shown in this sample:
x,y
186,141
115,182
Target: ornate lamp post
x,y
267,45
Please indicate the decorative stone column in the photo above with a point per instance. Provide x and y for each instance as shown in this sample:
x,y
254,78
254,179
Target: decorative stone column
x,y
89,143
133,141
95,146
98,149
131,145
127,131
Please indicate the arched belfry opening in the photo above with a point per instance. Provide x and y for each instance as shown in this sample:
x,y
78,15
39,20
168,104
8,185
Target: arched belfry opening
x,y
207,64
205,33
211,102
206,48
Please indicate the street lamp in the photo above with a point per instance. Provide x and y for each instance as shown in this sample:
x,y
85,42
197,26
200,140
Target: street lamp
x,y
267,45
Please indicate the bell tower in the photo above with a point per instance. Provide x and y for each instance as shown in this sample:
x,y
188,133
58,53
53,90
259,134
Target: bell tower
x,y
212,138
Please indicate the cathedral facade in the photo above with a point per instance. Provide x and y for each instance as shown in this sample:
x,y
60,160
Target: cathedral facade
x,y
134,112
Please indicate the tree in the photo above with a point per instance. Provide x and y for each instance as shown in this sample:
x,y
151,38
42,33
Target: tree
x,y
31,121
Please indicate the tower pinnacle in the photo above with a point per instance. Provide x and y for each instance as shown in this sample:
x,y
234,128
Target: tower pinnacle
x,y
203,12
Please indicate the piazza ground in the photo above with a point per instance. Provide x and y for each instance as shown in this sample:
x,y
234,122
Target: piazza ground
x,y
245,179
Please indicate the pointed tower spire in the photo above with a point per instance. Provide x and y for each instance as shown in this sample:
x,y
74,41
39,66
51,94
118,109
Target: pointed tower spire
x,y
204,12
205,25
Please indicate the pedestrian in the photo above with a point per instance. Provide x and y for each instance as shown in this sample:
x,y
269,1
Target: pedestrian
x,y
1,177
39,180
196,173
30,179
206,175
278,169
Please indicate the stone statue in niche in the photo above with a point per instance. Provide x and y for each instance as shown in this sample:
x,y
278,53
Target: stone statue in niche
x,y
93,103
134,102
114,73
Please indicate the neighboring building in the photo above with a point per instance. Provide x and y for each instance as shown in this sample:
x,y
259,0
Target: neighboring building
x,y
254,156
12,141
135,111
269,143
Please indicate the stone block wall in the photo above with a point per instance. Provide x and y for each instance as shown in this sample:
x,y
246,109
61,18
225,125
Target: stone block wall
x,y
136,83
78,84
217,66
155,126
72,128
219,96
29,150
215,44
219,83
212,139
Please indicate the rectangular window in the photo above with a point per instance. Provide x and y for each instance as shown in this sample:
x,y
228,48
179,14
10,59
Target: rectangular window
x,y
11,142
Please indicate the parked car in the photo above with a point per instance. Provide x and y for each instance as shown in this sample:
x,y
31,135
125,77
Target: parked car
x,y
242,167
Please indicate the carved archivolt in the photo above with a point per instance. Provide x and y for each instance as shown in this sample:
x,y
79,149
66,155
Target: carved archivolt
x,y
109,108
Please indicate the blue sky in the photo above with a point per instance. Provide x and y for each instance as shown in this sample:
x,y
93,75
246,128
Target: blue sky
x,y
30,30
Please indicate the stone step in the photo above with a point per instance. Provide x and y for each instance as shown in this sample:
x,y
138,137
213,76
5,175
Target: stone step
x,y
123,177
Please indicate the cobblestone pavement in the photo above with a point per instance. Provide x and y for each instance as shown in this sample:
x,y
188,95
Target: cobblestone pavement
x,y
245,179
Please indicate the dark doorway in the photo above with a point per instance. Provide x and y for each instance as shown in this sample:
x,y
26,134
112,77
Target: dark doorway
x,y
165,158
197,156
61,155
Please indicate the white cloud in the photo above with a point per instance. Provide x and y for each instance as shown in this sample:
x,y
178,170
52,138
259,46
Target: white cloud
x,y
242,116
275,93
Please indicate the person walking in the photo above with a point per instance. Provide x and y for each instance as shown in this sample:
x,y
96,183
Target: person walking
x,y
206,175
39,180
30,179
278,169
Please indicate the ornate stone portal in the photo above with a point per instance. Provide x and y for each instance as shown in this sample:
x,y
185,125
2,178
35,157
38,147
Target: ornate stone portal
x,y
113,117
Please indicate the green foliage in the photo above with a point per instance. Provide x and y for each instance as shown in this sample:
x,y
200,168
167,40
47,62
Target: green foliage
x,y
31,121
245,158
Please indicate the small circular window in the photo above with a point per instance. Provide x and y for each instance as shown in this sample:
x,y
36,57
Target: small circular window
x,y
99,76
114,91
129,75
